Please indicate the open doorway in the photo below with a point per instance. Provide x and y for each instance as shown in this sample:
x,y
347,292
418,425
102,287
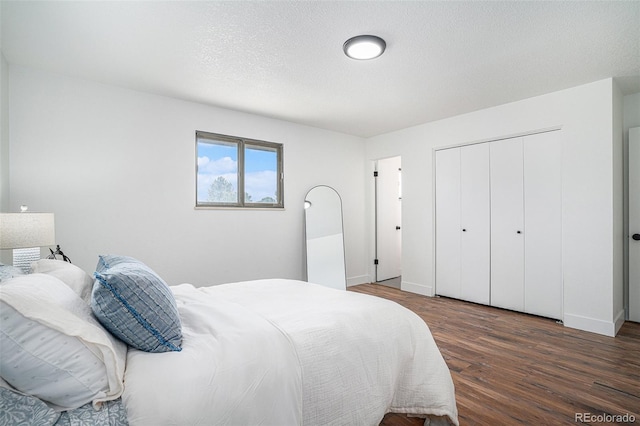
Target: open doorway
x,y
388,221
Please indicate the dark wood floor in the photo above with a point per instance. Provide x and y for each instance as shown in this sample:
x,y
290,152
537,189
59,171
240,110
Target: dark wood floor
x,y
510,368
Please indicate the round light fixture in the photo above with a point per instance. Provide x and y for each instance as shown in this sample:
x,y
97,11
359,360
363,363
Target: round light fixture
x,y
364,47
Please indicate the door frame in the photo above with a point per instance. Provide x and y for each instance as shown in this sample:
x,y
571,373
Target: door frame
x,y
629,290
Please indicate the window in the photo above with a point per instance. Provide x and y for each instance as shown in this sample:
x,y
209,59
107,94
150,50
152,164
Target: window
x,y
238,172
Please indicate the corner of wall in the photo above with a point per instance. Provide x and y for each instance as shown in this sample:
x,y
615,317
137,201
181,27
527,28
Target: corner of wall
x,y
619,240
5,255
4,134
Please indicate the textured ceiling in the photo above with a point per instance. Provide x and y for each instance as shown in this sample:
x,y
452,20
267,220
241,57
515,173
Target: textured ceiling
x,y
284,59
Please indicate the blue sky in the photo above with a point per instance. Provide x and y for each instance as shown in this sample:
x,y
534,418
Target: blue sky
x,y
256,160
222,160
260,160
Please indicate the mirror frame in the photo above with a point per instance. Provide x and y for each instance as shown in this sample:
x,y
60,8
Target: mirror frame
x,y
314,274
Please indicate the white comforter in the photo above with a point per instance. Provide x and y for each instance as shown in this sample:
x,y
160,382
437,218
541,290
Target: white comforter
x,y
284,352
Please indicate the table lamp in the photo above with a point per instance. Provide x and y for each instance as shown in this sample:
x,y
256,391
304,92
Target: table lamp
x,y
25,233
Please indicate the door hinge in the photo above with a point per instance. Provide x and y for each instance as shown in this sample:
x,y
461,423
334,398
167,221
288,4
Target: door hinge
x,y
375,261
375,173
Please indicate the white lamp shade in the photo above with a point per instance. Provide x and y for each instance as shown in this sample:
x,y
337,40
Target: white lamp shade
x,y
23,230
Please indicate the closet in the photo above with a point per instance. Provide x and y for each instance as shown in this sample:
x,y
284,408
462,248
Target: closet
x,y
498,223
462,223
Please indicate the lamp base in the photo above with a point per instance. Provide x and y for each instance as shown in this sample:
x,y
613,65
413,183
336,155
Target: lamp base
x,y
24,257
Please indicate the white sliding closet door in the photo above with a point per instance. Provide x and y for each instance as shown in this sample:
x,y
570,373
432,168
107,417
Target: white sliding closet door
x,y
475,223
543,225
507,224
448,222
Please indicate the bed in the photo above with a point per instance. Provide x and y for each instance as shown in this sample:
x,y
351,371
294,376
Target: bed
x,y
265,352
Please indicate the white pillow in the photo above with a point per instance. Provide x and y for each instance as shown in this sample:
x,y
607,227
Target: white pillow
x,y
53,348
70,274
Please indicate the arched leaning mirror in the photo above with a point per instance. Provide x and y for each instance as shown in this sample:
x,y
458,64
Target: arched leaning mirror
x,y
324,238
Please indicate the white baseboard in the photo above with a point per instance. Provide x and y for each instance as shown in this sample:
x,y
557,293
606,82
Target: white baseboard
x,y
425,290
607,328
362,279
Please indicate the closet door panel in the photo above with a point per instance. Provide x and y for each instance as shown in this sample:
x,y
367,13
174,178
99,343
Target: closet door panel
x,y
507,224
475,223
448,222
543,223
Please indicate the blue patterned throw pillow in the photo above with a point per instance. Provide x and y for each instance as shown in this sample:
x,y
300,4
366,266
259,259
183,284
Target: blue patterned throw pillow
x,y
136,305
107,261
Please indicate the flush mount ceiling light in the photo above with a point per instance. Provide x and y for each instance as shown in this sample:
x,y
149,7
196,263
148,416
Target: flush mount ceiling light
x,y
364,47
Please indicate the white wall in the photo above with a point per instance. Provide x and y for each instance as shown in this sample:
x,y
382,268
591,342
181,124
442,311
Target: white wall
x,y
618,196
631,105
117,167
4,133
592,283
5,257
